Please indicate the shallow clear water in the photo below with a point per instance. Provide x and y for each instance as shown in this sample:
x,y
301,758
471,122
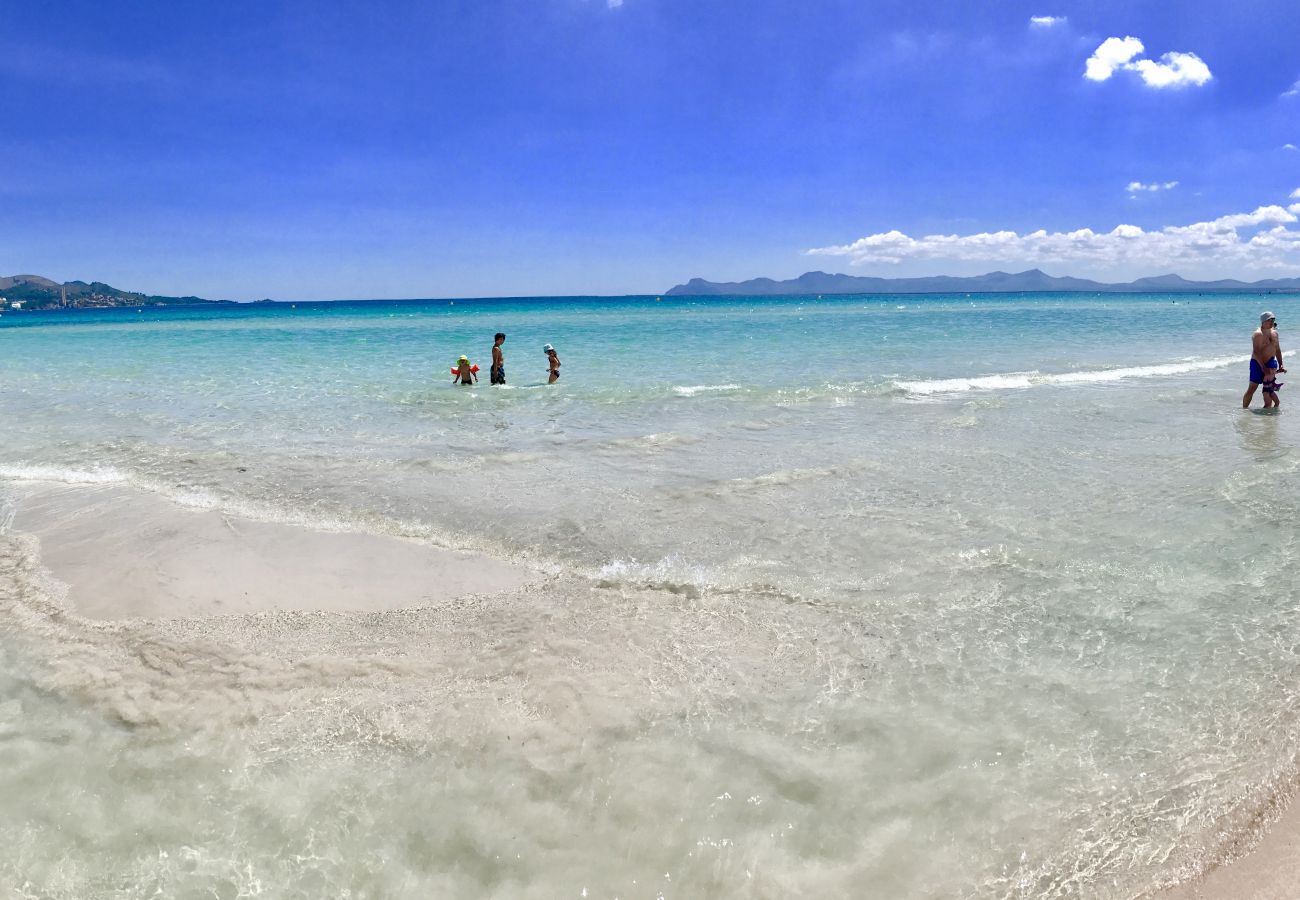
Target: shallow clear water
x,y
904,596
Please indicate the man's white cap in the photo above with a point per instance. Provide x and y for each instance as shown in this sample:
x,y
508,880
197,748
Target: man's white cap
x,y
1265,316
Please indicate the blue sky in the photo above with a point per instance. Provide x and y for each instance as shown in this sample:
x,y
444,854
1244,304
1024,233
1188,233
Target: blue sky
x,y
391,149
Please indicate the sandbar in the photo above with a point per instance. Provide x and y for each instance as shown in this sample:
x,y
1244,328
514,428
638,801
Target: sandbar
x,y
126,553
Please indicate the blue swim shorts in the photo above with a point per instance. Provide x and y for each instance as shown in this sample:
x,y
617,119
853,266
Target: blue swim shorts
x,y
1256,373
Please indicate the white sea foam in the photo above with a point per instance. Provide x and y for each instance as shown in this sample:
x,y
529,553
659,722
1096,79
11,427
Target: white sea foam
x,y
1178,368
106,475
694,389
1009,381
1022,380
672,574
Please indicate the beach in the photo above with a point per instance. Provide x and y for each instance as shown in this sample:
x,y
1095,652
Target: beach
x,y
783,614
1267,871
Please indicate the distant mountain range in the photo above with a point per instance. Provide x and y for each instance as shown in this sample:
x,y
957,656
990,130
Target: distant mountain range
x,y
35,292
993,282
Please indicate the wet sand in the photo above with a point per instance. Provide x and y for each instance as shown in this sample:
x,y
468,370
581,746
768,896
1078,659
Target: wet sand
x,y
1268,872
125,553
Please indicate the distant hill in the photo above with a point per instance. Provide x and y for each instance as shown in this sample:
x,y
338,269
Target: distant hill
x,y
993,282
35,292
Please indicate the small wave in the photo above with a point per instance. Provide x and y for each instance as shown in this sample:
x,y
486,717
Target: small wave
x,y
62,475
510,458
205,499
1012,380
1178,368
784,477
654,441
671,574
694,389
1022,380
342,522
675,575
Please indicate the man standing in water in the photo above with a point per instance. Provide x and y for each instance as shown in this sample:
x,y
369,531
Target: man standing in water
x,y
1265,362
497,374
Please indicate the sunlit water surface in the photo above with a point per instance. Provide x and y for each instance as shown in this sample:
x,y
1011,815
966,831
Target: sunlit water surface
x,y
935,596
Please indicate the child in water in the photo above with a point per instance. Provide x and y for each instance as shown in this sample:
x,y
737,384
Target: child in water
x,y
464,373
552,360
1271,384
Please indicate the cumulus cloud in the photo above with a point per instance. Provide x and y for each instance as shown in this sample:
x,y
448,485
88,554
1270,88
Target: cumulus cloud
x,y
1135,187
1113,53
1290,147
1124,55
1259,239
1293,90
1295,195
1046,21
1173,70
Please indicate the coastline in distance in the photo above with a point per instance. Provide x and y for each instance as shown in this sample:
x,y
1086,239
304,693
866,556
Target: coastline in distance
x,y
992,282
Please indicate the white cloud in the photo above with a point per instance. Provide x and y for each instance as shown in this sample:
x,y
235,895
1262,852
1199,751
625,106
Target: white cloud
x,y
1137,186
1112,54
1295,195
1293,90
1290,147
1046,21
1173,70
1259,239
1123,54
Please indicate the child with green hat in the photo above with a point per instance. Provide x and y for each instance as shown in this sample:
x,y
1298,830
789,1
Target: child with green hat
x,y
464,372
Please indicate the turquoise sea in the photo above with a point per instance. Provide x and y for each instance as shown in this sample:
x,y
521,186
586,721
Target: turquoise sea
x,y
905,596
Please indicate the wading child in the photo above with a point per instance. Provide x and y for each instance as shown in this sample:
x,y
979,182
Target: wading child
x,y
553,361
464,373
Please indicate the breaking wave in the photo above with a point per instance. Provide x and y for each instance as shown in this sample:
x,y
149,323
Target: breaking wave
x,y
1022,380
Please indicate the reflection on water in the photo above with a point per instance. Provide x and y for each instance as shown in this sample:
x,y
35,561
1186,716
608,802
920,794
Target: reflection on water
x,y
801,619
1260,433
